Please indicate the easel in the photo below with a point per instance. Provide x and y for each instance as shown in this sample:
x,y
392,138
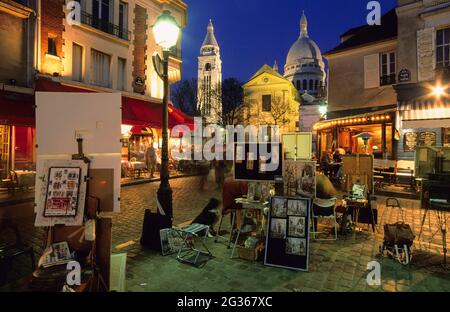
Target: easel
x,y
442,218
97,283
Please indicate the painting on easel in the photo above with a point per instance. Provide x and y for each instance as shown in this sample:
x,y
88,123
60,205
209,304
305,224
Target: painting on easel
x,y
300,178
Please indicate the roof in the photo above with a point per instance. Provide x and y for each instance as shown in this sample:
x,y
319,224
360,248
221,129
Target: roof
x,y
364,35
210,39
267,69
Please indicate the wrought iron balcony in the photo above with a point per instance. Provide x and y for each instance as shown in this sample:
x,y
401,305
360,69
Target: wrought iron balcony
x,y
105,26
387,80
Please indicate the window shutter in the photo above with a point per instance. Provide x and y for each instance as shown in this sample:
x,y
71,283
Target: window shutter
x,y
372,71
425,53
77,53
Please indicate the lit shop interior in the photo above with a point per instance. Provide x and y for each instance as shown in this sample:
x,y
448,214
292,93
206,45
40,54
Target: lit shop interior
x,y
349,134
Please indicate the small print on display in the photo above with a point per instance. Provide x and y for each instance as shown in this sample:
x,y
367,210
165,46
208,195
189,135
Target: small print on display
x,y
278,228
300,178
62,192
279,207
297,226
296,246
297,208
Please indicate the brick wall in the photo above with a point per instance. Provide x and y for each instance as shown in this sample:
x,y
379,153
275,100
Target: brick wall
x,y
52,16
13,49
140,47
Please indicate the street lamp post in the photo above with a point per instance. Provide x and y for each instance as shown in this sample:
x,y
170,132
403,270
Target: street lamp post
x,y
166,32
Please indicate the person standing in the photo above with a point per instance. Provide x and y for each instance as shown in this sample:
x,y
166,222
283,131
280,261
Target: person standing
x,y
150,159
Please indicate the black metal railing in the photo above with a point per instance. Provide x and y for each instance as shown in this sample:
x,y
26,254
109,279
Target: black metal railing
x,y
387,80
105,26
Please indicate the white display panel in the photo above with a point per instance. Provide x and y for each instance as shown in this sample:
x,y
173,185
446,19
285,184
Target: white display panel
x,y
297,146
95,117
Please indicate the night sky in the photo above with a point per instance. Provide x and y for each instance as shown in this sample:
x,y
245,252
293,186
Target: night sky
x,y
254,32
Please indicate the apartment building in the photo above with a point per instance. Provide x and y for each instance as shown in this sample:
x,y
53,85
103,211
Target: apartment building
x,y
361,94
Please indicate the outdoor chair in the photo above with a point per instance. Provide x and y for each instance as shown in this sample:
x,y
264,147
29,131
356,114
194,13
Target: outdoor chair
x,y
188,253
324,209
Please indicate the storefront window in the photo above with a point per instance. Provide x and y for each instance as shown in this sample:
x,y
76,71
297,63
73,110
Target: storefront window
x,y
350,141
138,145
446,137
4,150
24,148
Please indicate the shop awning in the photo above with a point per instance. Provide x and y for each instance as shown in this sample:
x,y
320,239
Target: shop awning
x,y
372,117
17,109
423,109
135,111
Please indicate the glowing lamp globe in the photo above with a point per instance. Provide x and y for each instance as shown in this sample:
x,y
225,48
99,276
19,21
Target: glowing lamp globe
x,y
166,30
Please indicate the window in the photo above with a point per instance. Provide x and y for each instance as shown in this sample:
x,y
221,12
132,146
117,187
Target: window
x,y
207,95
387,69
123,19
51,46
208,67
311,84
305,84
298,85
446,137
123,15
100,64
443,48
266,103
121,70
102,10
77,62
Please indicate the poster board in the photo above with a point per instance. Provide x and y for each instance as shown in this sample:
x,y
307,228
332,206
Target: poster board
x,y
61,117
287,243
251,168
54,197
299,178
63,189
297,146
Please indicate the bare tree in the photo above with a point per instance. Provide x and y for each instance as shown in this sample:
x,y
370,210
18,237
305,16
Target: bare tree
x,y
280,113
184,96
191,98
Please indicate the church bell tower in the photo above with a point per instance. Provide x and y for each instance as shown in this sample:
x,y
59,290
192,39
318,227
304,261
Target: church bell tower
x,y
210,78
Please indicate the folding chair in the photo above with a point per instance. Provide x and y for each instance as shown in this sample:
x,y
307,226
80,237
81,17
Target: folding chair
x,y
188,253
325,209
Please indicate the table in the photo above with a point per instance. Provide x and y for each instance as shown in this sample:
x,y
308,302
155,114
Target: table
x,y
249,205
355,205
25,179
136,167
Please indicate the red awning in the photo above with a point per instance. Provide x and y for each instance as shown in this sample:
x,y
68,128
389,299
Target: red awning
x,y
17,109
135,112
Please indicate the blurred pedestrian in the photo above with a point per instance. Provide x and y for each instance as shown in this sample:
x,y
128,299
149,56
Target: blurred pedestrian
x,y
150,159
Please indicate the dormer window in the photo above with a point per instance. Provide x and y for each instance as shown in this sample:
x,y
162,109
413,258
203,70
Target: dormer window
x,y
443,48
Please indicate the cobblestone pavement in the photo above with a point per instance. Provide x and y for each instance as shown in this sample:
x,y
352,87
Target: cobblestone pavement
x,y
334,266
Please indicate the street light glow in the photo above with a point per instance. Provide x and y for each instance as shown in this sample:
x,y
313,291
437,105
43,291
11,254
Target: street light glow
x,y
166,31
438,91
